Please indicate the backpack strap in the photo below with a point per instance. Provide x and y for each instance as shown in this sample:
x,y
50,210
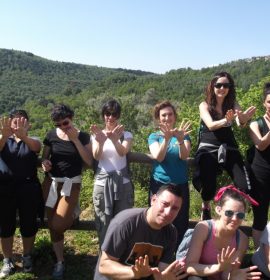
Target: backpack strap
x,y
210,225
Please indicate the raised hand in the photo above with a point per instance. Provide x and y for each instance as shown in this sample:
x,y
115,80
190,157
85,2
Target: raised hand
x,y
166,130
230,116
72,133
99,135
226,258
116,133
21,127
244,273
182,131
141,268
245,116
175,271
5,127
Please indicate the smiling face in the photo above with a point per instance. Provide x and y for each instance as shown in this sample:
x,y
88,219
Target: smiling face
x,y
228,213
167,116
164,209
221,87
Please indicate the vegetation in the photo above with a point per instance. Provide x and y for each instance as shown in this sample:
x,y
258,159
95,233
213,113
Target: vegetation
x,y
36,84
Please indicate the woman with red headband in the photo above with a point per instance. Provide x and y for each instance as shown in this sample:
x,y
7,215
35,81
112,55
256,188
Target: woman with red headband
x,y
218,246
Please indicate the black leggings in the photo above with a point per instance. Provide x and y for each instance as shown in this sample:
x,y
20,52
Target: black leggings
x,y
209,168
24,198
260,191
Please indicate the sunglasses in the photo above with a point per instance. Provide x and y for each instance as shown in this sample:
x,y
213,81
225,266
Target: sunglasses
x,y
220,85
239,215
64,123
113,114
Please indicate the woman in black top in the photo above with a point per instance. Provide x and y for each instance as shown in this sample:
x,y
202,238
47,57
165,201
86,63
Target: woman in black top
x,y
260,168
66,149
22,191
217,146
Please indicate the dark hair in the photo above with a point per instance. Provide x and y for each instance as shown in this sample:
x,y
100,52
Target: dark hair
x,y
170,188
111,106
210,97
266,90
60,112
17,113
229,193
161,106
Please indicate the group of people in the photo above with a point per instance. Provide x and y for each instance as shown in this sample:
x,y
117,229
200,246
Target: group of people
x,y
141,243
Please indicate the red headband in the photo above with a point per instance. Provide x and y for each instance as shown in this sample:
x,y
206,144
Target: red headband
x,y
233,188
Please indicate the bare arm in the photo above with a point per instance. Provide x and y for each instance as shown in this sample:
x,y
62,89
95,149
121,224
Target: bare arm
x,y
45,159
260,142
99,139
208,120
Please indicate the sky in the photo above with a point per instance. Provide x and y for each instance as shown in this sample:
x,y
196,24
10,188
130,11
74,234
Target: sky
x,y
149,35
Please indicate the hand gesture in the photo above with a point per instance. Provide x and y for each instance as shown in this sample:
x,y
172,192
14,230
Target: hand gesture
x,y
116,133
226,258
167,132
72,133
100,137
244,273
245,116
175,271
182,131
21,127
46,165
141,268
5,127
230,116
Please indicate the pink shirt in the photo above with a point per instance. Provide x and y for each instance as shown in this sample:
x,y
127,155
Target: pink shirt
x,y
210,252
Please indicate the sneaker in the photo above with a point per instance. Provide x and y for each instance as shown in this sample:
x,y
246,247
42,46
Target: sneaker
x,y
27,263
206,214
7,268
58,271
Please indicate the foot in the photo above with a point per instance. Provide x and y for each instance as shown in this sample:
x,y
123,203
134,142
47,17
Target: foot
x,y
58,271
7,268
27,263
206,214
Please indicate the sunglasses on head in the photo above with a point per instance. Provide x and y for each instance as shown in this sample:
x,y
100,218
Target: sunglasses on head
x,y
220,85
113,114
239,215
64,123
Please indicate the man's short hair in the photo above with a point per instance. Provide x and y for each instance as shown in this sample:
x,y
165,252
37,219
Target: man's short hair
x,y
176,190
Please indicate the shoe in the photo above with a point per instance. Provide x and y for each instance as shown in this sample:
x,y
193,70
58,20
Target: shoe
x,y
206,214
58,271
27,263
7,268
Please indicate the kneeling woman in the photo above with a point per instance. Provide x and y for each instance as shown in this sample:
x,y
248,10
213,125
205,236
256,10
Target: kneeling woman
x,y
213,253
66,149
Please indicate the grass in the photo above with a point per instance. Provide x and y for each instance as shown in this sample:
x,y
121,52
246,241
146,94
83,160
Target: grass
x,y
81,247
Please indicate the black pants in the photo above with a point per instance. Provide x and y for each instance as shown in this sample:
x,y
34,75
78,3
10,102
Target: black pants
x,y
209,168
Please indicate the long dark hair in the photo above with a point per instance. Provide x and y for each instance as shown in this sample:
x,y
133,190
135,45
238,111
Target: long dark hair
x,y
266,90
210,97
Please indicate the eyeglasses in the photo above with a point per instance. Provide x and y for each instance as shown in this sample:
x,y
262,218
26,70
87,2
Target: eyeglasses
x,y
113,114
230,214
64,123
220,85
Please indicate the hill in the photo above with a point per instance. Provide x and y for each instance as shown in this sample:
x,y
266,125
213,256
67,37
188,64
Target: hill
x,y
24,76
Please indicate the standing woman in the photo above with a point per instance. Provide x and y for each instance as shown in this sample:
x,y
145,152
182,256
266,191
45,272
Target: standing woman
x,y
170,147
22,192
217,146
66,149
218,244
260,167
113,189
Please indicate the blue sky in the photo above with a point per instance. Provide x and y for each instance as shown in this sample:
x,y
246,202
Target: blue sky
x,y
150,35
